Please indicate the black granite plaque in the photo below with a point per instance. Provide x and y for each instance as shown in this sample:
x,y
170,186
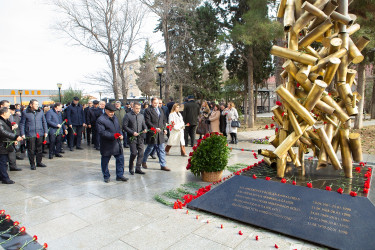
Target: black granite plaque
x,y
327,218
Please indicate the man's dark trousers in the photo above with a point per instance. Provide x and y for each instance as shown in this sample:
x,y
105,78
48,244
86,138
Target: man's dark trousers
x,y
3,167
78,131
54,144
136,149
34,148
190,131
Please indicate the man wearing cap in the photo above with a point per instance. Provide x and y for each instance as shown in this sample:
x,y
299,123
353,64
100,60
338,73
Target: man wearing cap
x,y
156,120
190,115
76,122
120,113
110,143
88,129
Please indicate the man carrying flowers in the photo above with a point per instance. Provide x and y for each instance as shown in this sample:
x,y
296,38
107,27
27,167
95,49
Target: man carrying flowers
x,y
57,128
110,134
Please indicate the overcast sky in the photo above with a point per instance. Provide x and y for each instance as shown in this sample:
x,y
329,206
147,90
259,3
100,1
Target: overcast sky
x,y
34,56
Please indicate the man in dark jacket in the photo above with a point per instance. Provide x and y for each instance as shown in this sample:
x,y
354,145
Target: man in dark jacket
x,y
170,105
76,122
88,129
156,120
94,113
190,115
110,143
34,128
223,121
6,138
56,130
120,114
133,125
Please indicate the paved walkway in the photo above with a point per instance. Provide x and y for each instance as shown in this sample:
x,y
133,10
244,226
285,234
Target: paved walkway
x,y
69,206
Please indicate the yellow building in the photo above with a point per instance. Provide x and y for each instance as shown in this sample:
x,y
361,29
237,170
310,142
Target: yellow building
x,y
15,95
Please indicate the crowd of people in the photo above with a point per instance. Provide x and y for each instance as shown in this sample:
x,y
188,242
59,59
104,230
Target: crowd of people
x,y
109,128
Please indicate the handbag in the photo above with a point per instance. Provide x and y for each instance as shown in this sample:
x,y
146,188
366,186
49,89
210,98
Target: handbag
x,y
235,124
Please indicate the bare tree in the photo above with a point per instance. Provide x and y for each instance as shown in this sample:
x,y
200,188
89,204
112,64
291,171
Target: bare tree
x,y
108,27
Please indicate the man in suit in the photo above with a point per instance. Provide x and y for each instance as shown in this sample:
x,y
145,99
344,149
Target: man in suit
x,y
6,135
156,120
110,143
190,115
56,130
88,129
76,122
134,124
33,126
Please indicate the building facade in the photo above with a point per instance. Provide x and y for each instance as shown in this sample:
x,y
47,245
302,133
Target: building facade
x,y
130,68
15,95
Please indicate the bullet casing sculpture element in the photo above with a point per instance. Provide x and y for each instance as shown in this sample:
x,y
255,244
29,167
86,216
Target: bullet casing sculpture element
x,y
355,146
294,55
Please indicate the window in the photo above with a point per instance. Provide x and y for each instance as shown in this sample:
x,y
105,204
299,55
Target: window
x,y
39,92
32,92
130,77
12,92
131,94
130,67
27,92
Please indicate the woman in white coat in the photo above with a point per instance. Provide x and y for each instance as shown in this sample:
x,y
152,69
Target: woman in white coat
x,y
176,137
231,115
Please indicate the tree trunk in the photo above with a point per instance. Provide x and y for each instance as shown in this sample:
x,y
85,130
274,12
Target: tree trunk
x,y
245,109
250,83
358,123
167,78
180,93
256,102
114,77
372,108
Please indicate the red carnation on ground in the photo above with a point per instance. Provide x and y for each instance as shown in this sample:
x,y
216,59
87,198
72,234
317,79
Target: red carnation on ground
x,y
254,176
240,233
45,245
22,229
365,191
367,185
16,223
278,103
354,194
268,178
242,149
266,127
2,212
309,185
272,125
7,217
256,237
294,183
37,135
283,180
117,135
276,130
340,190
276,246
358,169
221,226
328,188
44,142
35,238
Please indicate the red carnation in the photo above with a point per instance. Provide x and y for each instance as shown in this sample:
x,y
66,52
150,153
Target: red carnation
x,y
294,183
217,133
44,142
256,237
268,178
188,166
266,127
207,135
75,134
37,135
66,120
278,103
298,85
276,246
365,191
367,185
272,125
45,245
254,176
242,149
16,223
358,169
328,188
2,212
309,185
240,233
221,226
340,190
273,118
117,135
13,123
7,217
354,194
276,130
35,238
195,148
283,180
191,154
22,229
282,114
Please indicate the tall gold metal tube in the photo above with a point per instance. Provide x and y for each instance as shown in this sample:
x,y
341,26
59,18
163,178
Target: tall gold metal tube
x,y
355,54
281,161
339,112
322,62
328,9
274,140
352,29
289,17
301,157
292,40
331,69
324,107
294,157
281,9
336,142
335,44
314,10
362,42
313,52
278,114
350,77
303,72
346,95
294,55
345,20
267,153
342,15
314,95
294,122
346,156
289,141
343,67
306,17
295,105
298,8
355,146
315,33
328,148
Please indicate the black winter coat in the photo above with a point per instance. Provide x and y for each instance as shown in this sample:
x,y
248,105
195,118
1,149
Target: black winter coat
x,y
75,115
107,128
134,123
94,114
33,123
154,121
191,112
6,134
53,119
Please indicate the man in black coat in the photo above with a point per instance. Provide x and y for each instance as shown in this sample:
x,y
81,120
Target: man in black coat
x,y
134,124
88,129
94,113
76,122
56,130
223,121
33,126
110,143
170,105
6,137
156,122
190,115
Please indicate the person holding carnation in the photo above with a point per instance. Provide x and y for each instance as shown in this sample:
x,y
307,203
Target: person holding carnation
x,y
110,134
176,137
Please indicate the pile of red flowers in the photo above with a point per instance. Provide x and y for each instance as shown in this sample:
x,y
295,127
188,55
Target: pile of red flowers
x,y
154,130
189,197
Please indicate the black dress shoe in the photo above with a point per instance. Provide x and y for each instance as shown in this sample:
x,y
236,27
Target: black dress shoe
x,y
139,171
126,146
97,149
153,156
45,152
15,169
41,165
144,165
71,149
9,181
19,158
62,152
58,155
106,180
33,167
50,157
79,148
131,171
122,178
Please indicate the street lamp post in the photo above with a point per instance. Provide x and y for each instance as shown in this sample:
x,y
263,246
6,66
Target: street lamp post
x,y
59,85
100,96
160,72
20,93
